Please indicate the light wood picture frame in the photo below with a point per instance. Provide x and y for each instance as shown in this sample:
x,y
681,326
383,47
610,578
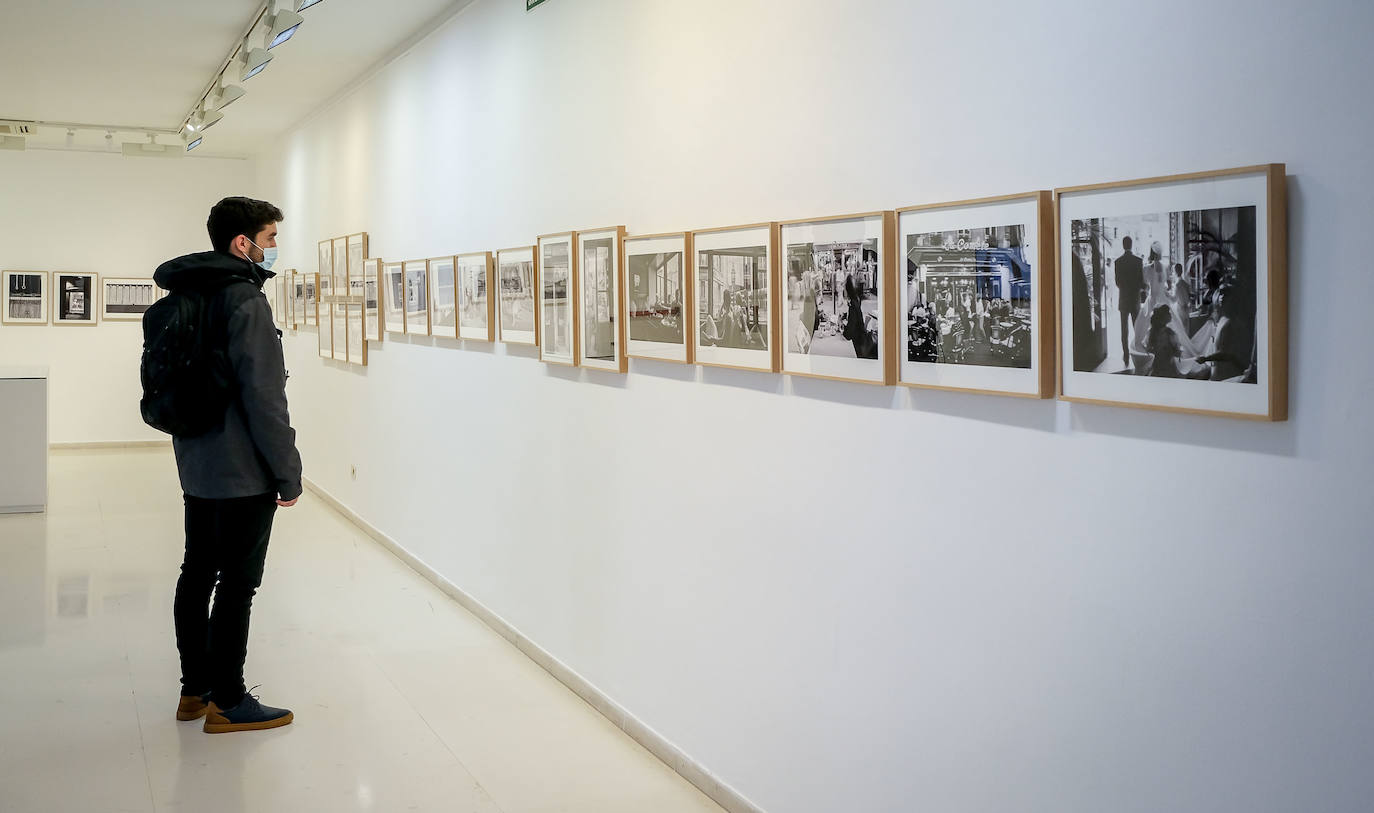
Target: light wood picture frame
x,y
976,290
74,298
517,278
734,302
476,296
823,260
658,276
601,312
393,297
126,299
558,298
297,299
417,297
442,288
1173,293
324,320
355,332
24,297
372,299
357,255
323,271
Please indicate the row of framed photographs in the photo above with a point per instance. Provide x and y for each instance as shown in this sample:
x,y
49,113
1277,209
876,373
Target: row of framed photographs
x,y
73,298
1165,293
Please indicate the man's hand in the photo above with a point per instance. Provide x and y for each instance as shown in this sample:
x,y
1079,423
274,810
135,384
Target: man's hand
x,y
287,503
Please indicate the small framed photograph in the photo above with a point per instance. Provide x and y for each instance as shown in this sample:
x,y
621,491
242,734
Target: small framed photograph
x,y
357,253
476,308
443,297
74,298
371,288
599,271
417,297
339,279
125,299
557,269
338,314
309,315
297,299
324,272
838,275
356,333
394,297
25,298
657,279
515,273
324,319
1173,293
734,297
976,304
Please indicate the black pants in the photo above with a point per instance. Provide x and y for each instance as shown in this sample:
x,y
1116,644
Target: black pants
x,y
1130,311
226,546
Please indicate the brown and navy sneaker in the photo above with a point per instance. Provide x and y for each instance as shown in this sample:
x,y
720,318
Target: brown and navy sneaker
x,y
248,715
192,707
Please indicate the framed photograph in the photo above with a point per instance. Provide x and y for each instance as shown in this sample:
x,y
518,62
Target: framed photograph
x,y
297,299
356,333
393,297
323,311
74,298
734,297
339,280
126,299
373,277
515,273
309,315
976,303
557,271
417,297
25,298
338,314
325,272
357,253
602,322
1173,293
443,297
476,308
838,277
656,283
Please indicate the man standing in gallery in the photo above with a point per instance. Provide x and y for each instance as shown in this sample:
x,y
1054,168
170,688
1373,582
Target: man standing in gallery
x,y
1130,281
235,476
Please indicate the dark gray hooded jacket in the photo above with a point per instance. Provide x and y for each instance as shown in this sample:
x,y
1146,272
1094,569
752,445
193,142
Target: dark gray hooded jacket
x,y
254,452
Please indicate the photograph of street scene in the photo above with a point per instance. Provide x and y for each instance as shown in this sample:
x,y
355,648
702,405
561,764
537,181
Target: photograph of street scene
x,y
832,299
969,297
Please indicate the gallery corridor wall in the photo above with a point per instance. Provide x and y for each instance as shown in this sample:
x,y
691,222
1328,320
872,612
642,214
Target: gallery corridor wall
x,y
848,598
113,216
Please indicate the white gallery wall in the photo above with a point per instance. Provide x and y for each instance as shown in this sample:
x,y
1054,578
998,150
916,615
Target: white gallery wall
x,y
848,598
106,214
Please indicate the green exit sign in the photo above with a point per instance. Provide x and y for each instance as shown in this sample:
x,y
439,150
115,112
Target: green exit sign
x,y
530,4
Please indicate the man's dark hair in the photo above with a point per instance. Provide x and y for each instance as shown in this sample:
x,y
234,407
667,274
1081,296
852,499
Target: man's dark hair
x,y
1126,242
234,216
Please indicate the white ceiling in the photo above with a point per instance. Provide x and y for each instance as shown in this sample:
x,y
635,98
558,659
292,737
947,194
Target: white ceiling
x,y
143,63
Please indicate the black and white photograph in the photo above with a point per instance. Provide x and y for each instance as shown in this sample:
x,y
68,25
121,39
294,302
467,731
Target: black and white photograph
x,y
310,296
25,294
357,252
474,305
555,304
599,273
732,297
417,297
339,280
297,299
1174,298
127,299
655,296
74,302
323,282
515,276
832,282
443,298
394,297
357,334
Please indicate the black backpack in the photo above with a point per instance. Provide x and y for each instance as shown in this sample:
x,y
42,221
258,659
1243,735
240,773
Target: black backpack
x,y
188,382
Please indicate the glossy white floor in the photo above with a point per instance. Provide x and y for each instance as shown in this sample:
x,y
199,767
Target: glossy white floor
x,y
403,700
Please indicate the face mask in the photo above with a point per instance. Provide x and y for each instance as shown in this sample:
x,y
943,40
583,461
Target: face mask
x,y
269,255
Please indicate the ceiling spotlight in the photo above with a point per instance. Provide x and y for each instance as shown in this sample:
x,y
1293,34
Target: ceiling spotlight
x,y
71,137
192,144
209,118
305,4
253,63
228,94
151,150
282,25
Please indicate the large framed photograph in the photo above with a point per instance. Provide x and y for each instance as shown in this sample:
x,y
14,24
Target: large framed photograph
x,y
394,297
443,297
74,298
1173,293
657,279
356,332
838,278
25,298
734,297
417,297
476,307
515,273
125,299
370,293
557,271
602,322
976,303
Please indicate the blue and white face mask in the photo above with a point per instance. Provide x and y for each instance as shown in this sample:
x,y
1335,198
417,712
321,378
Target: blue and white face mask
x,y
269,256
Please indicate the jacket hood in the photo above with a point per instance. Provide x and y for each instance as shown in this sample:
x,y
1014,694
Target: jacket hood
x,y
208,269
